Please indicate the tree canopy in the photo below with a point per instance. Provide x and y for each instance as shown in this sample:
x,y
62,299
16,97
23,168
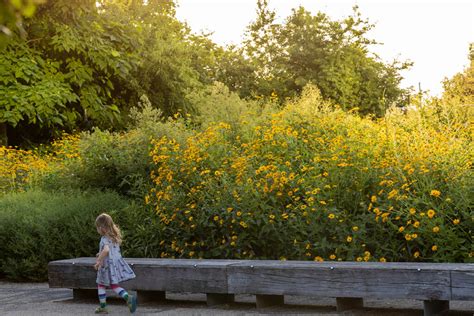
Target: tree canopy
x,y
78,64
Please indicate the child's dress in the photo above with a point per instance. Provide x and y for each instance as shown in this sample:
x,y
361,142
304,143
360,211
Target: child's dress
x,y
114,269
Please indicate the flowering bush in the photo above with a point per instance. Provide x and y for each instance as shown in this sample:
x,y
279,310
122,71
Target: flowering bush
x,y
20,169
308,181
317,183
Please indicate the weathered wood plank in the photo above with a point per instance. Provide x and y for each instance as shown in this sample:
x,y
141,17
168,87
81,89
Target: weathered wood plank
x,y
424,281
345,280
186,275
462,283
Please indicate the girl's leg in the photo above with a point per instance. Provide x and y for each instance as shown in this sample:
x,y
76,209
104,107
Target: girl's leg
x,y
120,291
102,295
130,299
102,299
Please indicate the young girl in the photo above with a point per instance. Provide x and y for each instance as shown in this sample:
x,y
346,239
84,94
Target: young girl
x,y
110,266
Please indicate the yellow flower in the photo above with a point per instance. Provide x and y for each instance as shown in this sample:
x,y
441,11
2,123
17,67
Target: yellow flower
x,y
318,258
431,213
434,248
355,228
216,218
373,199
435,229
239,213
191,253
435,193
456,221
271,216
331,216
190,218
383,259
412,211
349,239
284,215
325,174
332,257
416,254
416,224
414,236
407,236
359,259
392,194
401,229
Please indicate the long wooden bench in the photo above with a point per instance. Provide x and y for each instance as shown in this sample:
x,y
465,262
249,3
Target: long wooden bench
x,y
270,280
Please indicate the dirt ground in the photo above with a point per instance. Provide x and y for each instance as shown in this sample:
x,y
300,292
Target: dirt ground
x,y
38,299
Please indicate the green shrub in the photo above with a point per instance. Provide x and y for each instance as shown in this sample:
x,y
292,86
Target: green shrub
x,y
314,182
37,227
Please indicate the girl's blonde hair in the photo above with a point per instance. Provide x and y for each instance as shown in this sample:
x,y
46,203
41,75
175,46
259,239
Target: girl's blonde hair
x,y
106,224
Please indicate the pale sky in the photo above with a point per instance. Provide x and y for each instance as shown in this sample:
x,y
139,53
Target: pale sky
x,y
435,35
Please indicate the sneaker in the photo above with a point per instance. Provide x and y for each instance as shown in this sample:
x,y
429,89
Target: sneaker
x,y
101,310
132,303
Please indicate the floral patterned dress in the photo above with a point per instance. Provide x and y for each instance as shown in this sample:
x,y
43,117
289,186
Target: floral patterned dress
x,y
114,268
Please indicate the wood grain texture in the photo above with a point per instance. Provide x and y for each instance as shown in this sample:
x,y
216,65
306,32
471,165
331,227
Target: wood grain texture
x,y
424,281
198,276
339,282
462,283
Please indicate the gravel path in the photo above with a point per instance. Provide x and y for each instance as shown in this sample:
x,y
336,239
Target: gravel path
x,y
38,299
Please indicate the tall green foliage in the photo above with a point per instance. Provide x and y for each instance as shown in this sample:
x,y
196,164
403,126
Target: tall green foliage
x,y
334,55
71,70
460,88
11,14
86,63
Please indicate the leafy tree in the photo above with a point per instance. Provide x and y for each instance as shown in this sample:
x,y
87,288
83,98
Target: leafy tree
x,y
11,15
84,63
72,69
334,55
460,88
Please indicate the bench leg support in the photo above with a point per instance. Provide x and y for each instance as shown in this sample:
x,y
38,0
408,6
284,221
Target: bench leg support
x,y
435,308
349,303
214,299
264,300
85,294
151,296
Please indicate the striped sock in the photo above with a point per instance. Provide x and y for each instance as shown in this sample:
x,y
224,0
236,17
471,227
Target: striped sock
x,y
120,291
102,295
